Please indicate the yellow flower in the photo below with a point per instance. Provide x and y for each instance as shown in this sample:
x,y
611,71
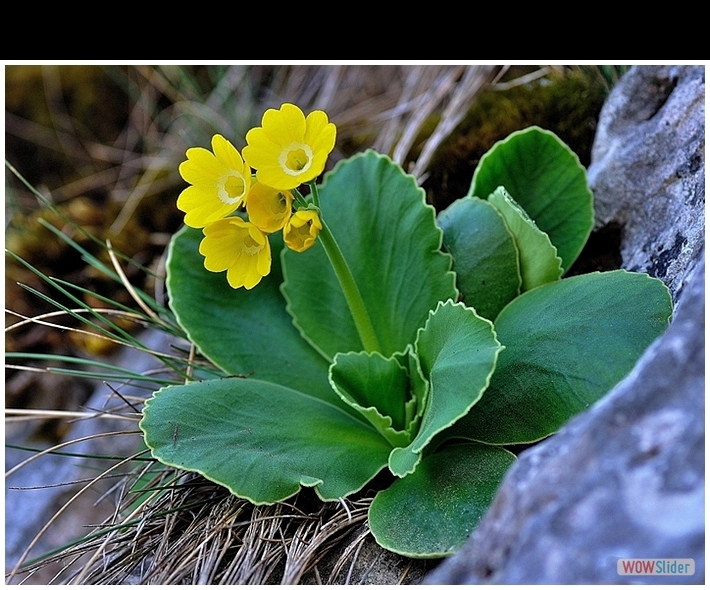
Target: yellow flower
x,y
289,149
219,183
268,208
302,229
240,248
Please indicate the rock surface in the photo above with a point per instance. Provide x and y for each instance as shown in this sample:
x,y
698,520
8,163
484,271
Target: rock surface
x,y
626,479
648,169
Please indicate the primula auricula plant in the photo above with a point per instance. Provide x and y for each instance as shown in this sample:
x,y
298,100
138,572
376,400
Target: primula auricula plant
x,y
359,332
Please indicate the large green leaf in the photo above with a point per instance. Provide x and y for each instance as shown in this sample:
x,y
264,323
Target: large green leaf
x,y
539,263
432,512
566,344
484,253
457,351
261,440
390,240
240,331
546,178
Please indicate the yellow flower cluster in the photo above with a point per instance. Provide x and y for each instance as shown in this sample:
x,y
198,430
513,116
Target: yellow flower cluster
x,y
289,149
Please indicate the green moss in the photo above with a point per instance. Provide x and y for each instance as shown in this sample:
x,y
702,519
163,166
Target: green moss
x,y
567,104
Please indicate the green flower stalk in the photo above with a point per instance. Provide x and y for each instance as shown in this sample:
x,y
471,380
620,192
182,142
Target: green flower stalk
x,y
356,304
361,317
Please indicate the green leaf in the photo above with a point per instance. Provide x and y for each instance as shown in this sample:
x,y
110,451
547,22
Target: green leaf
x,y
261,440
566,344
432,512
419,385
546,178
485,257
457,350
539,263
378,388
242,332
390,240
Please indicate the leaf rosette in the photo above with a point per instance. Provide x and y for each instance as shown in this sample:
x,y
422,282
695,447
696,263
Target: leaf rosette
x,y
481,343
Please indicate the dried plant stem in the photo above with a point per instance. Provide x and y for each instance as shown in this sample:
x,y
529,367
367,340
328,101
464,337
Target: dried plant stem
x,y
31,414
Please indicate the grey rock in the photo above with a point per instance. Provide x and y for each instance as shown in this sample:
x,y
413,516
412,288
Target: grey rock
x,y
626,479
648,169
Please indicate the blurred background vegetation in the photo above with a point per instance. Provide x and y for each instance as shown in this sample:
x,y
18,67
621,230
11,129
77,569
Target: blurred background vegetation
x,y
92,153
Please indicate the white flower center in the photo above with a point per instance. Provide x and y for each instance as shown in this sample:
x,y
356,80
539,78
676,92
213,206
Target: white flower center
x,y
296,159
230,188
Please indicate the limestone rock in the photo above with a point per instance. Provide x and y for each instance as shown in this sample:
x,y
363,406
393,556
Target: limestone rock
x,y
648,169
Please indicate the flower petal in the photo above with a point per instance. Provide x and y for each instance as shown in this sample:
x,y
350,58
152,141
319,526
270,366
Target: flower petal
x,y
320,134
286,125
226,153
